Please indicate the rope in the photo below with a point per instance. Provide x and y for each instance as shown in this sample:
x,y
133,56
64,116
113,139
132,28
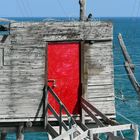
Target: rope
x,y
20,9
24,8
62,7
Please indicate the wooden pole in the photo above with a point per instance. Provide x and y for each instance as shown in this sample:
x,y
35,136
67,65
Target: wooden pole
x,y
125,52
136,132
20,132
82,18
82,9
3,135
90,135
132,77
60,119
45,105
82,79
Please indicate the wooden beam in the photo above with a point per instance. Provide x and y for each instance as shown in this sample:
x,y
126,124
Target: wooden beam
x,y
57,117
61,31
45,113
60,119
20,132
82,46
107,129
97,121
107,120
112,128
124,50
52,131
82,9
132,77
54,95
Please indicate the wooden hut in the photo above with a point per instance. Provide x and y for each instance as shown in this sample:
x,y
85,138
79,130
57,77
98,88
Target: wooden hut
x,y
74,58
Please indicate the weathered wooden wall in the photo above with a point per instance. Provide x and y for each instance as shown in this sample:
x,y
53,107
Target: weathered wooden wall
x,y
22,66
99,77
22,69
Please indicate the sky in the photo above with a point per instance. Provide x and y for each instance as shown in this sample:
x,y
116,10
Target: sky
x,y
68,8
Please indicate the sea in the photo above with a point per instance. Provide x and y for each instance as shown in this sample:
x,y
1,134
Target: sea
x,y
127,99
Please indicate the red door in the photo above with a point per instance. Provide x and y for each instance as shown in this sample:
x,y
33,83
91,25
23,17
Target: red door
x,y
64,68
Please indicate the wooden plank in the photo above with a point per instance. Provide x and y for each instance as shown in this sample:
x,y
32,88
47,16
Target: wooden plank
x,y
82,78
97,121
101,99
46,88
57,117
19,119
64,31
52,131
45,105
111,128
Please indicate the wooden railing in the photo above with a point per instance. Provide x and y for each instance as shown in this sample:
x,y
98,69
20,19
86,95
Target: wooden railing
x,y
110,129
90,109
113,126
58,116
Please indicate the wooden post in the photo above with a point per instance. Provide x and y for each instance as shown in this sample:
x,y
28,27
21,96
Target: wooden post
x,y
90,135
20,132
3,135
136,132
45,112
82,80
82,9
60,119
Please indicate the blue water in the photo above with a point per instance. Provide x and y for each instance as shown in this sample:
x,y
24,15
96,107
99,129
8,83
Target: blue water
x,y
130,107
129,27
